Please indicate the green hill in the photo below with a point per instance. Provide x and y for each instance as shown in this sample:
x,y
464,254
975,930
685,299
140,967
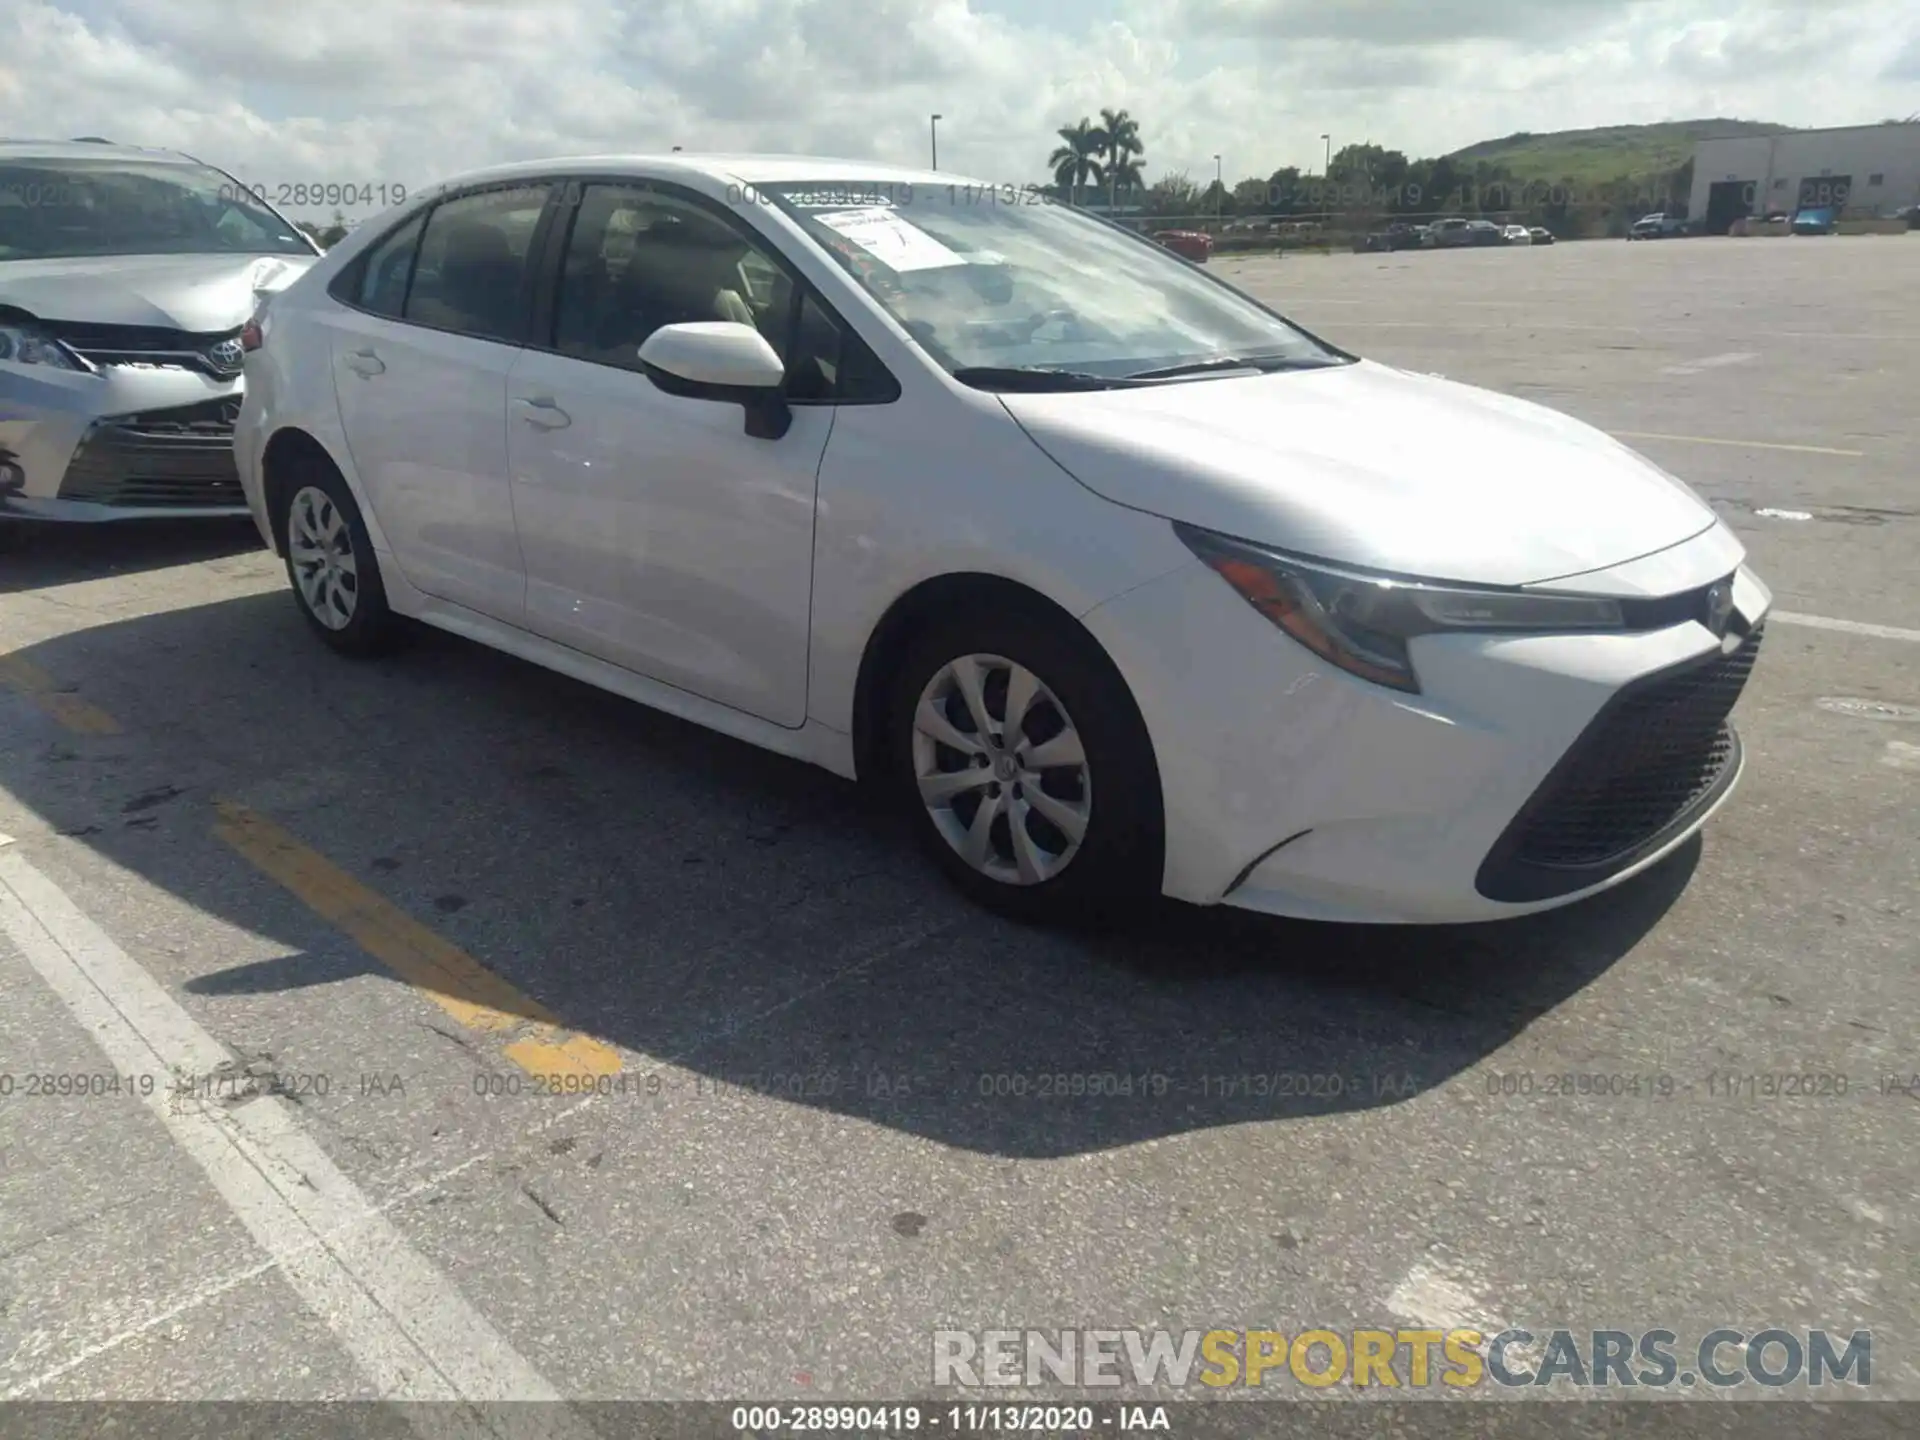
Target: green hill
x,y
1613,152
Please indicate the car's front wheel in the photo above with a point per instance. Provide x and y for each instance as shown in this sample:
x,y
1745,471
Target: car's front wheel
x,y
1018,751
330,560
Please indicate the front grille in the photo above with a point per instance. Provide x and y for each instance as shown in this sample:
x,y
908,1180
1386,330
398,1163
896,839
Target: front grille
x,y
180,458
1645,767
142,345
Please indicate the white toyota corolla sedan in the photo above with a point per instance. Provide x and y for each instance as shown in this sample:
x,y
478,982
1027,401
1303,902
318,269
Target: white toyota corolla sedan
x,y
1121,582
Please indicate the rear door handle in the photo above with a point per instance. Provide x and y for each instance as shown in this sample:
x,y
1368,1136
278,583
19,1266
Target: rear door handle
x,y
542,413
365,362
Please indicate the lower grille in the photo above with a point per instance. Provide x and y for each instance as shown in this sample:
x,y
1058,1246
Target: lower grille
x,y
180,458
1651,761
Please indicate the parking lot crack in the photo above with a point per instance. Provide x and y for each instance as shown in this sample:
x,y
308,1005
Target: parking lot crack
x,y
545,1208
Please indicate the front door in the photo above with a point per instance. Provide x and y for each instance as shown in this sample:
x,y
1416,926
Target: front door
x,y
658,534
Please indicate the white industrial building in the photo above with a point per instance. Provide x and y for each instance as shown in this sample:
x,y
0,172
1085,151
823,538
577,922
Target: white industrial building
x,y
1867,170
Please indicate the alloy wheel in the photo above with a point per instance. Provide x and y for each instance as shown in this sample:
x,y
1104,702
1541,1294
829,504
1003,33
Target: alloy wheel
x,y
320,547
1001,769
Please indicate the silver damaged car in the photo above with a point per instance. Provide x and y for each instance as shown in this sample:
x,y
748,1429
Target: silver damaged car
x,y
126,278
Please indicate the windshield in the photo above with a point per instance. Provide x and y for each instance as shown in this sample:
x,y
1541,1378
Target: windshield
x,y
60,209
989,280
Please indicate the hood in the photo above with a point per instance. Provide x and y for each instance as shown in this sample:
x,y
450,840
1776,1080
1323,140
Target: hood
x,y
1375,467
198,293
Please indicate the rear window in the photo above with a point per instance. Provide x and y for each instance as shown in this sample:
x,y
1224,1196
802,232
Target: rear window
x,y
472,269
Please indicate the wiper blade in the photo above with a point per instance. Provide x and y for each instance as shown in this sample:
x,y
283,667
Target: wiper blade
x,y
1036,377
1266,364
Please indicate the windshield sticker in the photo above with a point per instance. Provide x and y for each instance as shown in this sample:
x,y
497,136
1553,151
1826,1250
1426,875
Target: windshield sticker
x,y
893,241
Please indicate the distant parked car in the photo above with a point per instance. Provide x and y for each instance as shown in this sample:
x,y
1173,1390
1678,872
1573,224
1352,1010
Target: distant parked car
x,y
1814,222
1485,232
1425,235
1194,245
1452,232
1517,235
1397,236
1541,235
1657,226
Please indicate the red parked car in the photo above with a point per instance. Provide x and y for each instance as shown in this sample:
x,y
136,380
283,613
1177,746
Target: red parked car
x,y
1195,245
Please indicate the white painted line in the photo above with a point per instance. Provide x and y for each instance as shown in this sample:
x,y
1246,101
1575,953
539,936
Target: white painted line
x,y
1712,362
1846,627
1901,756
1531,326
1739,444
413,1335
1438,1293
1771,513
206,1294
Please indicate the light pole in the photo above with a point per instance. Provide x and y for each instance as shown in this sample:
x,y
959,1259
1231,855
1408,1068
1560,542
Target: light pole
x,y
1219,190
933,134
1328,172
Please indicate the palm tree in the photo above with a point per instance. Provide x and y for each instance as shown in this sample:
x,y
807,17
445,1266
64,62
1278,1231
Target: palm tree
x,y
1123,174
1120,151
1075,163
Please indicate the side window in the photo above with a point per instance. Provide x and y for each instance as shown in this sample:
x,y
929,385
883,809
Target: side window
x,y
638,259
382,277
473,263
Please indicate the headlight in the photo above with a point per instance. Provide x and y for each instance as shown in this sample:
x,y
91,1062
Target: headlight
x,y
28,345
1362,622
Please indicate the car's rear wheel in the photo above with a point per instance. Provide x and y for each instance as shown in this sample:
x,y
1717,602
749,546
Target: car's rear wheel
x,y
330,561
1028,772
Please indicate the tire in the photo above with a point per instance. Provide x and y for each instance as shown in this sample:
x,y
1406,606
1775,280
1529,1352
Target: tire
x,y
1116,863
330,562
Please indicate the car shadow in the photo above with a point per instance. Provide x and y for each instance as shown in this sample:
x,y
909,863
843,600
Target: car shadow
x,y
34,555
750,919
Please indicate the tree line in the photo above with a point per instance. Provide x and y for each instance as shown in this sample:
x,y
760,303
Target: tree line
x,y
1100,162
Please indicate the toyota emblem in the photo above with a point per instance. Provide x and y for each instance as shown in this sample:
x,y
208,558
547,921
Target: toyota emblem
x,y
228,356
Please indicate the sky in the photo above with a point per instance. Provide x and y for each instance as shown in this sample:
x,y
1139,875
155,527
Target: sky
x,y
385,92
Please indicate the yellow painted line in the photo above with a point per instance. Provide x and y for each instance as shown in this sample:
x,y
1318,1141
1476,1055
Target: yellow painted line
x,y
64,706
1740,444
466,990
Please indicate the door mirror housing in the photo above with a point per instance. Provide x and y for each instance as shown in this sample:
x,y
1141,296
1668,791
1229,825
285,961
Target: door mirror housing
x,y
726,361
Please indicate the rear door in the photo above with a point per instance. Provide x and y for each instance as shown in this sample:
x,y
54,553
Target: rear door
x,y
431,324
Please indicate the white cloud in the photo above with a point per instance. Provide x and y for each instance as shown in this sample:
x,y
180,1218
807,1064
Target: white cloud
x,y
414,90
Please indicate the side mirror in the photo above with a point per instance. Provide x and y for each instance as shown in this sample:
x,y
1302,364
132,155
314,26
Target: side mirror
x,y
726,361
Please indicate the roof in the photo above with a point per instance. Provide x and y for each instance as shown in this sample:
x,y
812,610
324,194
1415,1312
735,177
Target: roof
x,y
19,149
745,169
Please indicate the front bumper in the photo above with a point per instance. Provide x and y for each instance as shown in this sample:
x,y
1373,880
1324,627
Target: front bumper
x,y
125,443
1293,788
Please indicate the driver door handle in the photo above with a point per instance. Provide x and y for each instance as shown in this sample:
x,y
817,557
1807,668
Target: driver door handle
x,y
542,413
365,363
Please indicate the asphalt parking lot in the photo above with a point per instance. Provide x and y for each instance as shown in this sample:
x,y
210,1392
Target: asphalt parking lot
x,y
833,1124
